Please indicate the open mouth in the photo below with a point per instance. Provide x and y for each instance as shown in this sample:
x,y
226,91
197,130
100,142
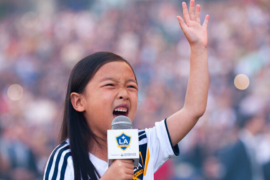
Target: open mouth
x,y
120,111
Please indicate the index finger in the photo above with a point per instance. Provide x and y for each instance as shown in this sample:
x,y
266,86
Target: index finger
x,y
129,161
185,13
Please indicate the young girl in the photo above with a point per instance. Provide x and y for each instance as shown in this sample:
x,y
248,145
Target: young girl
x,y
103,86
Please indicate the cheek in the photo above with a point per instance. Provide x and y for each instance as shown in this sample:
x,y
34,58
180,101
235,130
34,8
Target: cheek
x,y
100,102
134,105
103,98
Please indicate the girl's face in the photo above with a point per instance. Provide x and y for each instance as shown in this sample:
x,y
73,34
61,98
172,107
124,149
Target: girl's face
x,y
112,91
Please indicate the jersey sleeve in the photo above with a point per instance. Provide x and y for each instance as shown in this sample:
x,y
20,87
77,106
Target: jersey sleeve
x,y
160,147
59,165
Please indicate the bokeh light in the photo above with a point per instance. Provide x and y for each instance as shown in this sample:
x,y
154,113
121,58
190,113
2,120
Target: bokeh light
x,y
241,82
15,92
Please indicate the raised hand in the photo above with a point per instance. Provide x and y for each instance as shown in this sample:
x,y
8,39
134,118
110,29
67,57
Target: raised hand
x,y
195,33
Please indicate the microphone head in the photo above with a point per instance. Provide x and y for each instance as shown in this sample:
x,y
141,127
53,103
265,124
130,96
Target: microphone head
x,y
121,122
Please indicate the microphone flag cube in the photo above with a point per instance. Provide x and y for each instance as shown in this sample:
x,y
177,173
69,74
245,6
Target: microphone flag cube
x,y
123,144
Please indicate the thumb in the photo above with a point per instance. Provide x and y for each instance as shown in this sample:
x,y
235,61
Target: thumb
x,y
182,23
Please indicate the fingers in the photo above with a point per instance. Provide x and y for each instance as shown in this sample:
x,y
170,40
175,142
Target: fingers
x,y
126,160
205,24
129,170
190,16
128,163
192,9
129,177
123,168
185,13
198,13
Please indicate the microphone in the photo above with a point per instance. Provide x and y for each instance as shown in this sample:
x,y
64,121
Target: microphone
x,y
123,141
121,122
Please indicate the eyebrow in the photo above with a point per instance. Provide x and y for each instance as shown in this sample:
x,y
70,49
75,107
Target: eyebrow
x,y
113,79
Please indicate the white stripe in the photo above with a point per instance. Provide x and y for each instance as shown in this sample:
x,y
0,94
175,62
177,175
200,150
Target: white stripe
x,y
143,141
69,175
61,163
46,168
141,134
54,159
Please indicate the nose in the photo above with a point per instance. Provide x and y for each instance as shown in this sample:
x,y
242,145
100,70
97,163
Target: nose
x,y
123,94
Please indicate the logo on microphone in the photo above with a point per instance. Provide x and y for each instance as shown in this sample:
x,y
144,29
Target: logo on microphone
x,y
123,141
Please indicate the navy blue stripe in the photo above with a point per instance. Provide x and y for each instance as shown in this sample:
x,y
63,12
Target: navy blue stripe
x,y
140,133
51,161
64,167
142,137
142,149
175,148
57,162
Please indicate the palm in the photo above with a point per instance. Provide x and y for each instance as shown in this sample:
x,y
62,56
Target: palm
x,y
192,28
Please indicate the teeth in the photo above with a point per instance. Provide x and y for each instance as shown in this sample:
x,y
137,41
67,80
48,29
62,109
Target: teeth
x,y
121,109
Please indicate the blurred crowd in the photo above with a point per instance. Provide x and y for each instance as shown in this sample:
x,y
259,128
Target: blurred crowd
x,y
39,47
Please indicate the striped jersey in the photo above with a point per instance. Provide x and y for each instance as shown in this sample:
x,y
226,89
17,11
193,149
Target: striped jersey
x,y
155,148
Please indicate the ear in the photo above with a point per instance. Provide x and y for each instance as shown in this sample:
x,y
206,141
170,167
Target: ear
x,y
76,101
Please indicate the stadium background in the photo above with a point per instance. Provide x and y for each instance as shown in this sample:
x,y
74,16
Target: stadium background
x,y
40,41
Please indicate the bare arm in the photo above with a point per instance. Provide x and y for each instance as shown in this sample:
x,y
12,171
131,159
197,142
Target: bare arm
x,y
181,122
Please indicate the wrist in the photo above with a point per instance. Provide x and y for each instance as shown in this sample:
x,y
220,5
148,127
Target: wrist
x,y
198,47
199,50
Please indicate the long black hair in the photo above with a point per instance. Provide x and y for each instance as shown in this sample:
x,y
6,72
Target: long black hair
x,y
74,125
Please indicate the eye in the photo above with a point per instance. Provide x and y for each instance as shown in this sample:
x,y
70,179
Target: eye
x,y
131,86
109,85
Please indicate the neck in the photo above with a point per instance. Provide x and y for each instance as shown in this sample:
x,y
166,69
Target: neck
x,y
99,149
